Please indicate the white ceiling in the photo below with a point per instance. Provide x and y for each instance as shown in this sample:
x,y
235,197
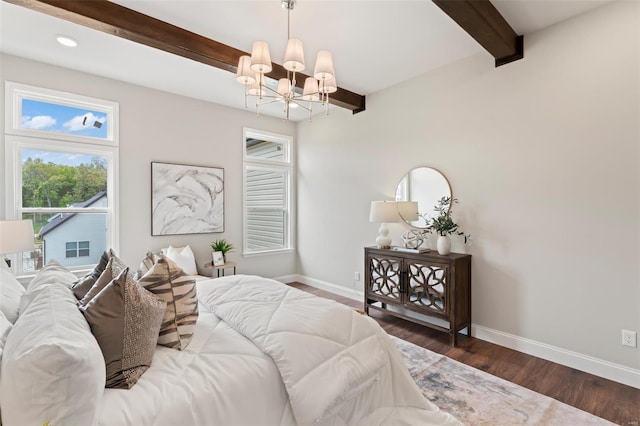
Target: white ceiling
x,y
375,44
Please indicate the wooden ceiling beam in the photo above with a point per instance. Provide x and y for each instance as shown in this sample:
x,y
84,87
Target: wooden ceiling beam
x,y
486,25
111,18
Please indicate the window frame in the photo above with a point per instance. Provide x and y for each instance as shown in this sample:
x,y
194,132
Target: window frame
x,y
285,166
17,139
16,92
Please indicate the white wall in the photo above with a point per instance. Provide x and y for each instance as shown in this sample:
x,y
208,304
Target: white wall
x,y
544,157
158,126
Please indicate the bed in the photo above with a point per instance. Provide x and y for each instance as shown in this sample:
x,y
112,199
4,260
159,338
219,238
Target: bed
x,y
261,353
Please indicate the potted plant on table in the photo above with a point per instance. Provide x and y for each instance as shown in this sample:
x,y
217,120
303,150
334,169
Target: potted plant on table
x,y
444,225
222,246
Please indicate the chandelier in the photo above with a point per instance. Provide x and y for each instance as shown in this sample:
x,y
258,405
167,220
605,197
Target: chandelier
x,y
252,70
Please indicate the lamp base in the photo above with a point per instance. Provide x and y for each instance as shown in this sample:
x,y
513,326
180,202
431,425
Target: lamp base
x,y
383,240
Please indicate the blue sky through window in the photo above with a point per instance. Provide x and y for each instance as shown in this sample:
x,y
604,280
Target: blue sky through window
x,y
61,158
50,117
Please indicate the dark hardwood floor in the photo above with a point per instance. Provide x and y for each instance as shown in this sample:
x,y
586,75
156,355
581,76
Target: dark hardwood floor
x,y
604,398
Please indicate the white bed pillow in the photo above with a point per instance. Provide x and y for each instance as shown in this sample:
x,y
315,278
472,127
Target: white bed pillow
x,y
10,293
53,273
5,328
52,367
184,258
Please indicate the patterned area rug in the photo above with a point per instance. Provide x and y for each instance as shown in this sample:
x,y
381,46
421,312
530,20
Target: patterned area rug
x,y
479,398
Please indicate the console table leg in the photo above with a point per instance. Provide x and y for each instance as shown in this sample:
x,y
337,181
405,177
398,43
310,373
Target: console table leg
x,y
453,339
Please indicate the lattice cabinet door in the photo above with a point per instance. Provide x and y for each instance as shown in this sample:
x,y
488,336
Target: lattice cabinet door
x,y
385,279
427,287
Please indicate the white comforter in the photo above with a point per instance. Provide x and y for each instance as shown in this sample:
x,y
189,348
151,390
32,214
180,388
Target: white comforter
x,y
338,367
304,360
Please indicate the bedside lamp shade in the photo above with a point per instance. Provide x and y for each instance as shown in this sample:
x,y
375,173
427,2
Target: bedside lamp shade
x,y
383,212
16,236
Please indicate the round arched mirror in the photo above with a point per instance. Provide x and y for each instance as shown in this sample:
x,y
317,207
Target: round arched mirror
x,y
426,186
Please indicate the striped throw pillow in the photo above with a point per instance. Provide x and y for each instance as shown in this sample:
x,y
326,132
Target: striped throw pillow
x,y
149,260
166,280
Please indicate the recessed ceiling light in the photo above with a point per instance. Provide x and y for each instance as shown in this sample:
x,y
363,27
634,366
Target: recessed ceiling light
x,y
66,41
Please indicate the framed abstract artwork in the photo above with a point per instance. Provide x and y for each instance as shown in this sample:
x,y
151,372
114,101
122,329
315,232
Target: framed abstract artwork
x,y
186,199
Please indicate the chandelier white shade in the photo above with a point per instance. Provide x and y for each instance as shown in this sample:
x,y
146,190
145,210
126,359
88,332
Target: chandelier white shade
x,y
252,69
245,75
324,66
294,56
261,58
310,92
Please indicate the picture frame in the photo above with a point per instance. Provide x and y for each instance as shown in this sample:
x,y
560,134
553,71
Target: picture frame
x,y
186,199
218,258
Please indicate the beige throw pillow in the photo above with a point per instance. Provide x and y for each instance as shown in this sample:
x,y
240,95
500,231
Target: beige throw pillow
x,y
178,290
125,320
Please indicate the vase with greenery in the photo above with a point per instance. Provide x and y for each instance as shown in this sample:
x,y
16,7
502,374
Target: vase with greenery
x,y
444,225
222,245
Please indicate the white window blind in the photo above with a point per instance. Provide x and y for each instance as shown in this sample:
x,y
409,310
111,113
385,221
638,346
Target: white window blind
x,y
267,193
266,202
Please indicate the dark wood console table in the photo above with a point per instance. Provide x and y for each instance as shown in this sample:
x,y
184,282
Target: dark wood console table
x,y
420,286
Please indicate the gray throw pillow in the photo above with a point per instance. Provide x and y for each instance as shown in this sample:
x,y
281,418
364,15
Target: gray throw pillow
x,y
84,284
113,269
125,320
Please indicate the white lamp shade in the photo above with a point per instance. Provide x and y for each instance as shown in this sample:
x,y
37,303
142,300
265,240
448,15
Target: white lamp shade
x,y
16,236
408,210
324,66
383,212
329,86
245,75
257,87
284,86
294,56
260,57
310,91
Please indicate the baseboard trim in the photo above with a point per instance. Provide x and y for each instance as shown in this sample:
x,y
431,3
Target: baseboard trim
x,y
598,367
323,285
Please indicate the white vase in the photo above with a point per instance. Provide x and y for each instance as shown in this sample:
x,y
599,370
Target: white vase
x,y
444,244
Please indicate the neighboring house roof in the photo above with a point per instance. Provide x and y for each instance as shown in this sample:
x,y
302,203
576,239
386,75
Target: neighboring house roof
x,y
61,218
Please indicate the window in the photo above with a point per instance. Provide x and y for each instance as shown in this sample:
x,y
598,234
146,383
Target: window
x,y
56,115
61,160
267,192
77,249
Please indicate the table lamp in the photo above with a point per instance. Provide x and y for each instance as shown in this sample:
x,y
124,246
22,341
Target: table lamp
x,y
16,236
408,211
383,212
